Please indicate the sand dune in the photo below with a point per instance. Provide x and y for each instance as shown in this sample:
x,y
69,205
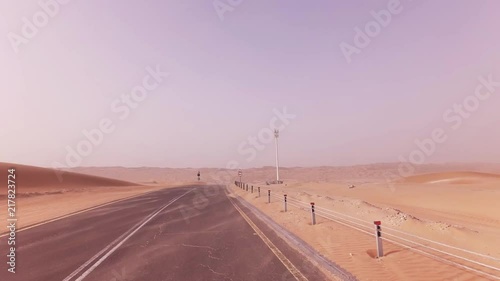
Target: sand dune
x,y
35,177
444,204
438,203
463,217
452,177
358,174
41,196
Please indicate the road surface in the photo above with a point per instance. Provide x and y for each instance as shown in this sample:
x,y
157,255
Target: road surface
x,y
185,233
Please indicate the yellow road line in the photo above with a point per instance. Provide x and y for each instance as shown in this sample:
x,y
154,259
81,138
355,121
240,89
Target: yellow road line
x,y
286,262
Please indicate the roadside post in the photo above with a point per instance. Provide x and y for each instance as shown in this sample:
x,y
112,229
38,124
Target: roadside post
x,y
252,188
259,190
313,214
378,238
268,196
285,202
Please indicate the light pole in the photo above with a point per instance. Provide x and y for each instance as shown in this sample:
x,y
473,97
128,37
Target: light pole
x,y
276,136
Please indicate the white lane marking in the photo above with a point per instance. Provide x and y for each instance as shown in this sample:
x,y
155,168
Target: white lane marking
x,y
81,211
132,231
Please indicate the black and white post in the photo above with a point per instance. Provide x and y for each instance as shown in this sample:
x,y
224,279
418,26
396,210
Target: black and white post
x,y
276,136
240,174
284,200
378,237
268,196
313,214
259,190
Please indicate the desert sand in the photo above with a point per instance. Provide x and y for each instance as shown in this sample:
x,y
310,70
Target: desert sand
x,y
41,196
459,209
452,208
455,204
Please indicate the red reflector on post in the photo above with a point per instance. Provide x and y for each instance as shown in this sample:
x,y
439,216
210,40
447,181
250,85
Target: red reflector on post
x,y
377,222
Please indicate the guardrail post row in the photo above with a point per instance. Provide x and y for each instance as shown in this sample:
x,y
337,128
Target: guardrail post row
x,y
313,214
285,202
378,238
268,196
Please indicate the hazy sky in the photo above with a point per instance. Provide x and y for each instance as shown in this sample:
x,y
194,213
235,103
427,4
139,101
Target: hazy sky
x,y
230,71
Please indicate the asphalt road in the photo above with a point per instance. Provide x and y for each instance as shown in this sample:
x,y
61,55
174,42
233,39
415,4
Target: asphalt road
x,y
186,233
